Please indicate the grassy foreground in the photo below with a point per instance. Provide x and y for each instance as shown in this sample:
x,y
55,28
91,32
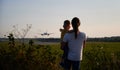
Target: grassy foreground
x,y
96,56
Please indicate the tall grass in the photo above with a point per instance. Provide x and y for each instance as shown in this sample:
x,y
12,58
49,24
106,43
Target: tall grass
x,y
36,57
96,56
101,56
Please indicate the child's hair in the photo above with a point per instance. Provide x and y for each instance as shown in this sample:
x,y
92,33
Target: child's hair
x,y
75,24
66,23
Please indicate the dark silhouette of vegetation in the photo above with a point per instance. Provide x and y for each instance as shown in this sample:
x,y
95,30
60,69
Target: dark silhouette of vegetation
x,y
31,42
21,34
11,40
47,57
105,39
99,59
30,57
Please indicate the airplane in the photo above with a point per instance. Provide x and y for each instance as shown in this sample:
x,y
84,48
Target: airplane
x,y
46,33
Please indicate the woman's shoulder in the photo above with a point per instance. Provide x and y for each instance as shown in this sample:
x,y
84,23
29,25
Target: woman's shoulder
x,y
82,33
71,31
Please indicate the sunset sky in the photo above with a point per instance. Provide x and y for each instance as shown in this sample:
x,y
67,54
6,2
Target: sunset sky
x,y
99,18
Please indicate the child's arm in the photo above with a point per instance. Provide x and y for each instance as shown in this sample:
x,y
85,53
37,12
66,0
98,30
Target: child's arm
x,y
61,30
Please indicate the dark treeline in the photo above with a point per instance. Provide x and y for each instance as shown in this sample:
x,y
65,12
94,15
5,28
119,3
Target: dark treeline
x,y
102,39
49,39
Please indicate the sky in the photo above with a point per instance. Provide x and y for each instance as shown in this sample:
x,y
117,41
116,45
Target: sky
x,y
99,18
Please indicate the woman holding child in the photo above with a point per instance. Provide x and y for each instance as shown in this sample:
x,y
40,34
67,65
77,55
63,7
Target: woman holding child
x,y
75,39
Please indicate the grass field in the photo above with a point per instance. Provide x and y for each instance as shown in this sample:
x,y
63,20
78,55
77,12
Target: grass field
x,y
101,56
96,56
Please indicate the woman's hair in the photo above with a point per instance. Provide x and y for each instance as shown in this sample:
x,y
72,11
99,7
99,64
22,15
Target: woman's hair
x,y
75,24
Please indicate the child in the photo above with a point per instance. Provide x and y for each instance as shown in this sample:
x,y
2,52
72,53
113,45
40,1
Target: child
x,y
66,27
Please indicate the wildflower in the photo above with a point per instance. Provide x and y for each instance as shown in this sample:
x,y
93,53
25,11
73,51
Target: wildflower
x,y
98,63
101,48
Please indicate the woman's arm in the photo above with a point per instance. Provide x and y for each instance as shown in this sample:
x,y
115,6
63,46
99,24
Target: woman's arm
x,y
84,42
